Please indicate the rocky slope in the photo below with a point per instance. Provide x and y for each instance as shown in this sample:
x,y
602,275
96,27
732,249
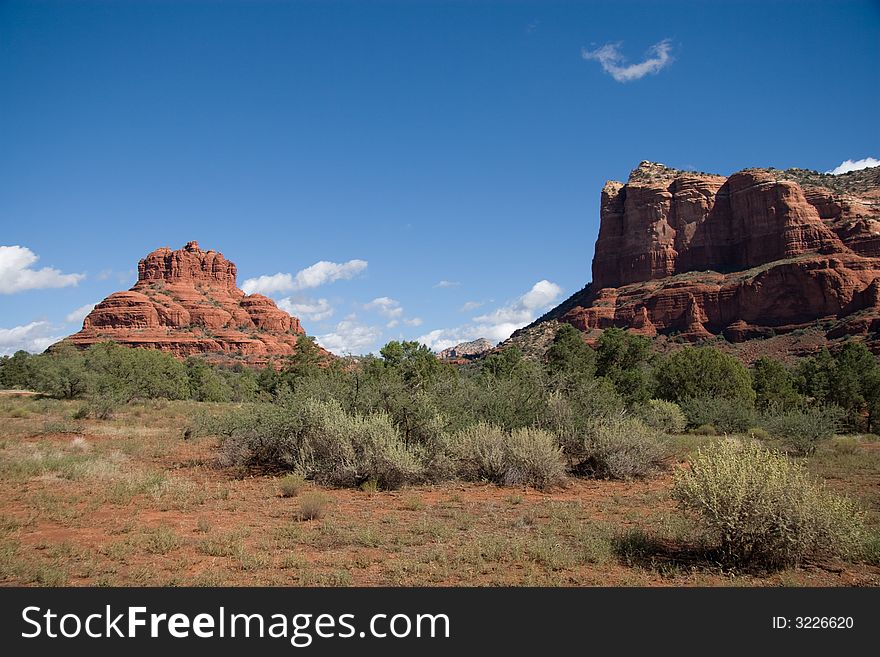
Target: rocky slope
x,y
758,254
467,350
187,302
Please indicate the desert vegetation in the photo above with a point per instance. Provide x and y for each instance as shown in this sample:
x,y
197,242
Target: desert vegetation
x,y
611,462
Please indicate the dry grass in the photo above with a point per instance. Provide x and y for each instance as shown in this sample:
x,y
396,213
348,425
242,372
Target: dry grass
x,y
126,501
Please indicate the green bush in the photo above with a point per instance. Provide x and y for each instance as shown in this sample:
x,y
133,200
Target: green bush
x,y
516,458
726,415
703,372
618,447
705,430
802,429
763,510
661,415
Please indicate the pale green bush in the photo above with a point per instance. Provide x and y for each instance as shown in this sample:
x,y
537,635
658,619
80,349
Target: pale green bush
x,y
763,510
622,448
320,441
662,415
515,458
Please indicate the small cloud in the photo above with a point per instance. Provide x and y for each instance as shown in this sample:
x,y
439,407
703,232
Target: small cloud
x,y
415,321
531,27
392,323
350,337
854,165
16,274
268,284
386,306
320,273
33,337
104,274
447,284
311,309
471,305
77,316
613,62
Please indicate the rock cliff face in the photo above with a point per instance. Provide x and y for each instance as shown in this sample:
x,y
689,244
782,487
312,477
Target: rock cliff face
x,y
187,302
761,253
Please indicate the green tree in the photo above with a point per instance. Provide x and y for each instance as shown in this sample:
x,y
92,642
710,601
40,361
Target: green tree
x,y
695,372
625,359
814,376
15,370
773,384
307,357
61,373
415,363
848,378
569,357
205,382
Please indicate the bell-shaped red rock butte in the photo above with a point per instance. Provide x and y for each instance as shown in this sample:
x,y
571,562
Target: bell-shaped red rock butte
x,y
760,253
187,302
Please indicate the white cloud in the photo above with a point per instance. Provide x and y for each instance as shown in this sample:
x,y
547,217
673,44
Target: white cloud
x,y
16,274
33,337
854,165
320,273
613,62
415,321
445,283
385,306
312,309
471,305
350,337
392,323
77,316
268,284
522,311
500,323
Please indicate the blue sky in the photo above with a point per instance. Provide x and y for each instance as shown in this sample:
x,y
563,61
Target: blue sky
x,y
464,142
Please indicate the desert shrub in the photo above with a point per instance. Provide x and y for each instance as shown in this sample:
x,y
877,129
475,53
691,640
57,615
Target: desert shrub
x,y
321,441
763,510
619,447
661,415
345,449
263,435
705,430
312,506
758,433
802,429
519,457
845,445
291,485
726,415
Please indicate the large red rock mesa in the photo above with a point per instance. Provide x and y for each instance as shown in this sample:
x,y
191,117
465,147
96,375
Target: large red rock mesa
x,y
186,302
761,253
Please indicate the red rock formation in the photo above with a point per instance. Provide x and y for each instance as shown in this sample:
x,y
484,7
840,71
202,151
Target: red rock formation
x,y
187,302
752,255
